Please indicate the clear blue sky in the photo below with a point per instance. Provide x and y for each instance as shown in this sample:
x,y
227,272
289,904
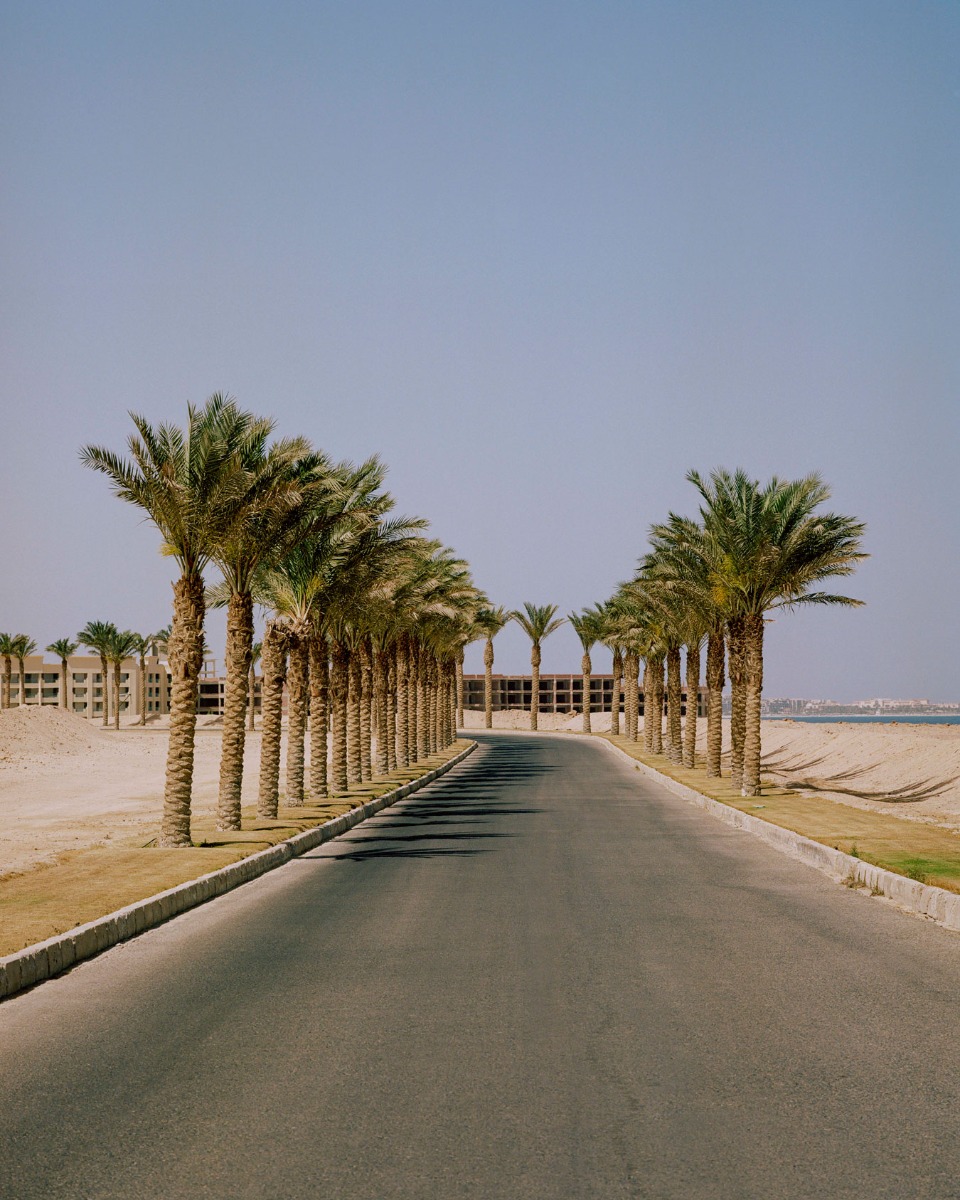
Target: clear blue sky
x,y
543,258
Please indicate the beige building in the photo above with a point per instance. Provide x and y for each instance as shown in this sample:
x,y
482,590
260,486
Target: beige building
x,y
85,684
558,693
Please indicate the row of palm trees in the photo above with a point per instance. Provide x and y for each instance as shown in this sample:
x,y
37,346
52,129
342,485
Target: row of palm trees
x,y
367,616
712,583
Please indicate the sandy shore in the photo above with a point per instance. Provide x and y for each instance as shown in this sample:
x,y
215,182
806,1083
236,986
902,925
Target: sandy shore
x,y
66,784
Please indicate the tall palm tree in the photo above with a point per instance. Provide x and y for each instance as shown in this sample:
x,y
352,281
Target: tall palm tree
x,y
63,648
193,485
490,621
776,546
122,645
281,478
142,645
97,636
588,626
7,652
23,647
537,622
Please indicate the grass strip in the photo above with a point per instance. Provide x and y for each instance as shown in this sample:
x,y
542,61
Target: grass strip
x,y
927,853
83,885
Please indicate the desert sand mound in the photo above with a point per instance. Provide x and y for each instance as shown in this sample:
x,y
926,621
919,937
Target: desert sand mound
x,y
36,731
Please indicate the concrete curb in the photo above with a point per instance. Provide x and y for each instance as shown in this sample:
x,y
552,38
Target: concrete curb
x,y
922,899
45,959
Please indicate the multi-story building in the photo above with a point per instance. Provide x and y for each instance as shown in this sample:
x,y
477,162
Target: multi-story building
x,y
558,693
85,684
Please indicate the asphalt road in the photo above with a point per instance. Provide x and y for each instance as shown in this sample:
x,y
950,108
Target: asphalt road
x,y
541,977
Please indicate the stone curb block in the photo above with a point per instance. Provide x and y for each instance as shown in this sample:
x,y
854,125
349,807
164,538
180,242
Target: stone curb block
x,y
936,903
46,959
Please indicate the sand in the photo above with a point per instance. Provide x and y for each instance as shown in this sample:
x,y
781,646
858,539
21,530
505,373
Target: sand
x,y
67,784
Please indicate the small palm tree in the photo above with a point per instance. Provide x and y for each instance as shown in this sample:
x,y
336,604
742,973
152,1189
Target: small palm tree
x,y
23,647
537,622
63,648
490,621
142,645
588,626
7,652
98,637
122,645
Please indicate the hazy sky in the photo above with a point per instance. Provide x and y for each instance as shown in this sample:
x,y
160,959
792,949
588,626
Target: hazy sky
x,y
543,257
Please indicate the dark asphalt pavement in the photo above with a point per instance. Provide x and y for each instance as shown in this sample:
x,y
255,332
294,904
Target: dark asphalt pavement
x,y
542,977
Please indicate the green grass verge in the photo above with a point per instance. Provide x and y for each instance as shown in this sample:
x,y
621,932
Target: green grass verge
x,y
83,885
913,848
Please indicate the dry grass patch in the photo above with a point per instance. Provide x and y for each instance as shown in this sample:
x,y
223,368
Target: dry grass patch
x,y
86,884
912,848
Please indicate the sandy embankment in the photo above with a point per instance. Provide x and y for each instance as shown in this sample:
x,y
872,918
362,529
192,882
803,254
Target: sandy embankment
x,y
66,783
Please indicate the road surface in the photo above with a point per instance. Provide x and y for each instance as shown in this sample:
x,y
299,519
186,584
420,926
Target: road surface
x,y
542,978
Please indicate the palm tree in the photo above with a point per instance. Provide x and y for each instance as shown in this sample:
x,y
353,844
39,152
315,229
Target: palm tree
x,y
537,622
23,647
97,636
63,648
7,652
490,621
775,547
194,487
280,477
142,645
588,626
122,645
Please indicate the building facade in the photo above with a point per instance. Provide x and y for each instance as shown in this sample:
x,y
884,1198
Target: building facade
x,y
558,694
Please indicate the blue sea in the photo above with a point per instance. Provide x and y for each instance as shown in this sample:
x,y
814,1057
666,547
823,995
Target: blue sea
x,y
890,719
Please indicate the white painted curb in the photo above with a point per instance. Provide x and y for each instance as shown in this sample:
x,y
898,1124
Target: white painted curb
x,y
46,959
909,894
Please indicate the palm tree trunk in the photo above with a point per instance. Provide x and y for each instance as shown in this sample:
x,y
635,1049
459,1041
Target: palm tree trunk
x,y
648,705
693,695
534,686
298,683
105,688
116,696
392,707
339,689
273,673
354,684
252,697
615,703
433,708
738,712
458,693
366,724
237,665
423,706
488,684
319,713
185,656
402,662
63,685
753,665
7,672
657,698
631,699
380,676
143,687
586,670
674,692
714,701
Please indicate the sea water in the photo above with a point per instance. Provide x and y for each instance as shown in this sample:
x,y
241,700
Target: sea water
x,y
886,719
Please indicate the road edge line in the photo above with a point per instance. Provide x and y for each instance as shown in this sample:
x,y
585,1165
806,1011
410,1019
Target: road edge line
x,y
44,960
